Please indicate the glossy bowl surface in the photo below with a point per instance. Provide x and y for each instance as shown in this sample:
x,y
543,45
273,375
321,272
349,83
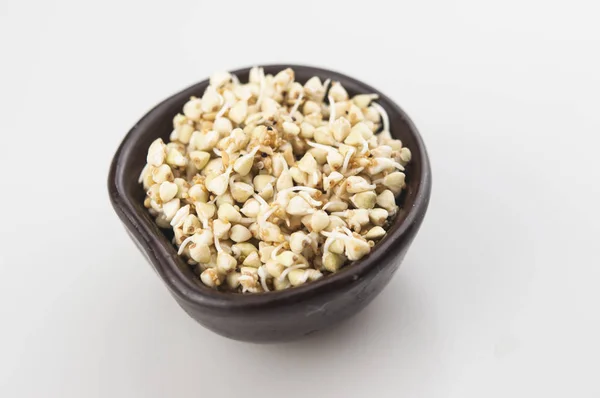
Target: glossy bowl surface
x,y
282,315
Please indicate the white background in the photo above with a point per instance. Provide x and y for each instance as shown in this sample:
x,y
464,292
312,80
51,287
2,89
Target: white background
x,y
499,295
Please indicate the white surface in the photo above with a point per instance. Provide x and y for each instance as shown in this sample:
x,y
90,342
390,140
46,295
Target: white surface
x,y
498,296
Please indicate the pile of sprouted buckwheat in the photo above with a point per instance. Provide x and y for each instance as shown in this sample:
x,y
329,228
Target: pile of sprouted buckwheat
x,y
271,184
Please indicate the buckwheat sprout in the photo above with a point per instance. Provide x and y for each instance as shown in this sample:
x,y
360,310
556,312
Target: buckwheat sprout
x,y
342,237
218,244
380,164
263,119
329,204
309,199
266,215
330,240
185,242
349,154
365,147
222,110
298,188
297,103
179,217
204,222
398,166
347,231
288,269
260,200
331,110
315,176
358,184
321,146
294,189
384,116
276,250
353,172
231,146
263,278
217,152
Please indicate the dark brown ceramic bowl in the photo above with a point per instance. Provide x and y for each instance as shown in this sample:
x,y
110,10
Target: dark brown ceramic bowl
x,y
281,315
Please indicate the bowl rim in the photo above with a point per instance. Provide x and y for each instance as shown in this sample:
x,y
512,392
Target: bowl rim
x,y
165,259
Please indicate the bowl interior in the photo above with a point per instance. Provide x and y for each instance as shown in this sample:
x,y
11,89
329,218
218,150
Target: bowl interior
x,y
128,195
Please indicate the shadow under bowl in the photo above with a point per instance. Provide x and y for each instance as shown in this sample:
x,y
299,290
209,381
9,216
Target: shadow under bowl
x,y
281,315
